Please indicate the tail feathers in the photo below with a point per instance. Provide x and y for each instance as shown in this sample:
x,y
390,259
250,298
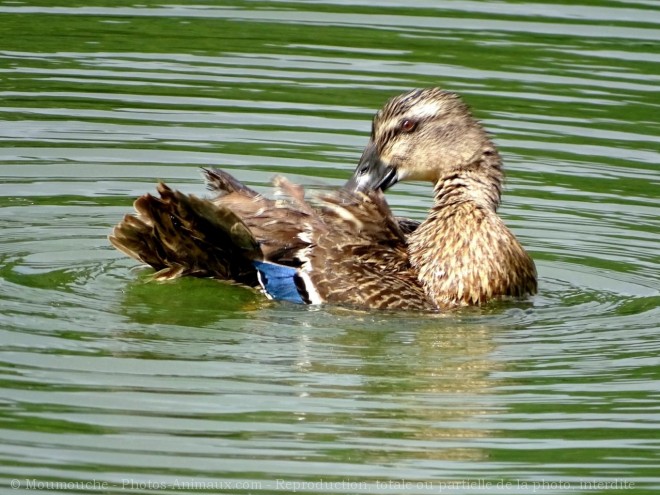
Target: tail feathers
x,y
223,183
133,237
282,283
179,234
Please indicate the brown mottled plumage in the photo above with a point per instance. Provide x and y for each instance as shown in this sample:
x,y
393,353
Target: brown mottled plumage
x,y
347,247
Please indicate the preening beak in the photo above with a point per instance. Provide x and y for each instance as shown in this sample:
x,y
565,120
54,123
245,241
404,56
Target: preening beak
x,y
372,173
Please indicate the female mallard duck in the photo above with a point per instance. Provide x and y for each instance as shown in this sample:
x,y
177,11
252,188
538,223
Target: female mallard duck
x,y
347,247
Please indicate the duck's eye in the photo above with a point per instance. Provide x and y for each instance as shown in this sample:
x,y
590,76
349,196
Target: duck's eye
x,y
408,125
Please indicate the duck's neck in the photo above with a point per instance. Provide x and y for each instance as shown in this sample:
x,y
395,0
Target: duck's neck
x,y
463,252
479,183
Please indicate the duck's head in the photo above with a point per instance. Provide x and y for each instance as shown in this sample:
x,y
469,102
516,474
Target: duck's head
x,y
427,135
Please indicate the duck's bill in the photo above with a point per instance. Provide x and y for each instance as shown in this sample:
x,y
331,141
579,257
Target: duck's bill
x,y
372,173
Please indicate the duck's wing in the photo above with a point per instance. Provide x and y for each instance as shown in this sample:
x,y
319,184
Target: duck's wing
x,y
366,251
179,234
355,255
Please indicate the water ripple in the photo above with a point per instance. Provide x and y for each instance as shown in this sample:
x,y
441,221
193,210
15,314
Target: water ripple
x,y
106,372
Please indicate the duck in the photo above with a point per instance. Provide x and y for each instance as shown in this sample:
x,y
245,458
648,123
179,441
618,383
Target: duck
x,y
346,247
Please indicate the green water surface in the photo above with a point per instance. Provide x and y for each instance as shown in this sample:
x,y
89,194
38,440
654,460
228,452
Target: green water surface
x,y
111,383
